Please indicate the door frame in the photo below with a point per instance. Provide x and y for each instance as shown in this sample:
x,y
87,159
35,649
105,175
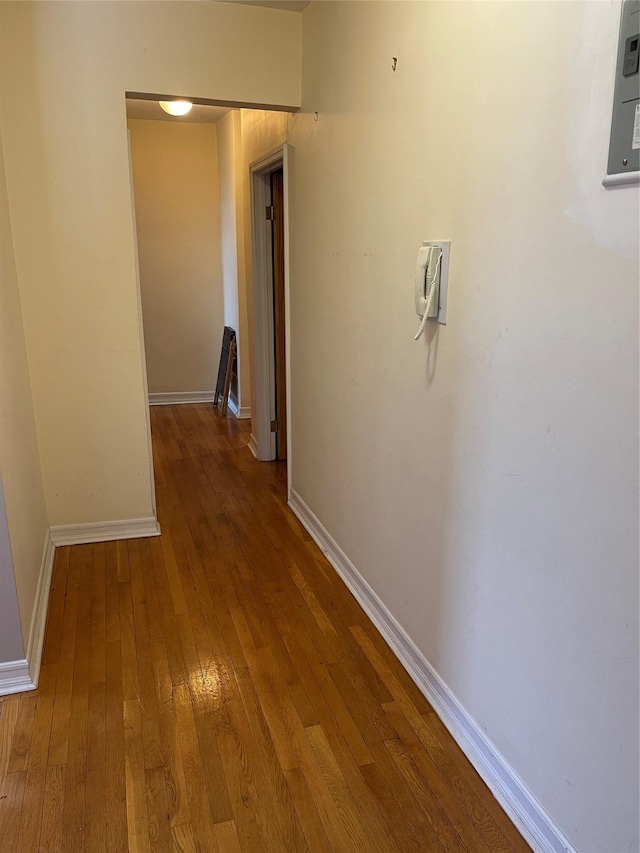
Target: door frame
x,y
263,440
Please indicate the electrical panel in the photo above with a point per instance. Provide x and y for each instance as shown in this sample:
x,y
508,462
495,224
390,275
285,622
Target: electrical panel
x,y
624,148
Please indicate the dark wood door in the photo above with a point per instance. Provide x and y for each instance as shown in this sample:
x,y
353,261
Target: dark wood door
x,y
277,199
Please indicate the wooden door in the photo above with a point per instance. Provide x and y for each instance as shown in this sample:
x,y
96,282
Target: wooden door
x,y
277,200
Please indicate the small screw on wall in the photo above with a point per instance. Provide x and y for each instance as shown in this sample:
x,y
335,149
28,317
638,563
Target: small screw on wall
x,y
395,63
625,161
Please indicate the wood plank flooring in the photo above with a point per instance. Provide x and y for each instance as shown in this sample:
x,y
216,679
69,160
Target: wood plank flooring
x,y
219,689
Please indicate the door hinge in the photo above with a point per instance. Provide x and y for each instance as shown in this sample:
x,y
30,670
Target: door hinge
x,y
269,212
274,426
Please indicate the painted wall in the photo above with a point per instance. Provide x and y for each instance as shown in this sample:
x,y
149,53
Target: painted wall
x,y
65,68
175,174
485,479
26,519
229,173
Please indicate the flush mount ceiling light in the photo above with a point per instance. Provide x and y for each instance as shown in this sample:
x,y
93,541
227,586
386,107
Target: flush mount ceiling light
x,y
176,108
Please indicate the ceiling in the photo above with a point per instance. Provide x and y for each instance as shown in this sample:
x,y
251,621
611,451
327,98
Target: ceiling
x,y
151,110
288,5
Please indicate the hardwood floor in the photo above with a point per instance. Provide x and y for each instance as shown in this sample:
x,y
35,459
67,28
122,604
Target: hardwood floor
x,y
219,689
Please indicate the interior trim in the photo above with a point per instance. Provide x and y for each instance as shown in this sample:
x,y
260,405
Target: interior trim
x,y
104,531
174,398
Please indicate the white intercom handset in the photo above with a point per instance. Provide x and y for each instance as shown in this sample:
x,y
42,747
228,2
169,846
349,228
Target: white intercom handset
x,y
427,284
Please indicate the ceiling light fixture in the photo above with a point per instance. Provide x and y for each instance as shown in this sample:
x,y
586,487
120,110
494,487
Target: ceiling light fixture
x,y
176,108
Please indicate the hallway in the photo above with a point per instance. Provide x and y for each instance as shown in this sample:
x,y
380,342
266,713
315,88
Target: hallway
x,y
218,688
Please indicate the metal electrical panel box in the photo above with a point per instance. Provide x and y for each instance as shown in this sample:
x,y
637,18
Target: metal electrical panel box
x,y
624,147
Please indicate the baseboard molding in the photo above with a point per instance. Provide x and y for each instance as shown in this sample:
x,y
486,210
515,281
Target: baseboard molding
x,y
15,678
253,447
174,398
104,531
242,412
507,787
40,610
21,675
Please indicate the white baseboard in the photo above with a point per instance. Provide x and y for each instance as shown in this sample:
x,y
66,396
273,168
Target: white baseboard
x,y
522,807
40,610
242,412
173,398
253,447
14,677
104,531
20,675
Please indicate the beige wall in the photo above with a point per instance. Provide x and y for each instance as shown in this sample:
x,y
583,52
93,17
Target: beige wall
x,y
483,480
175,173
65,68
19,460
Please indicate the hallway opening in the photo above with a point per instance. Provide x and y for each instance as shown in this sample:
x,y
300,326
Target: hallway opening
x,y
208,258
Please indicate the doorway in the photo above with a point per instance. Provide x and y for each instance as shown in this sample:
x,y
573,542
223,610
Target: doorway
x,y
267,289
269,210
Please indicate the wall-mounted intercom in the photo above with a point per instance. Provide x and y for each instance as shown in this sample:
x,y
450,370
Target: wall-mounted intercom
x,y
431,282
624,163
